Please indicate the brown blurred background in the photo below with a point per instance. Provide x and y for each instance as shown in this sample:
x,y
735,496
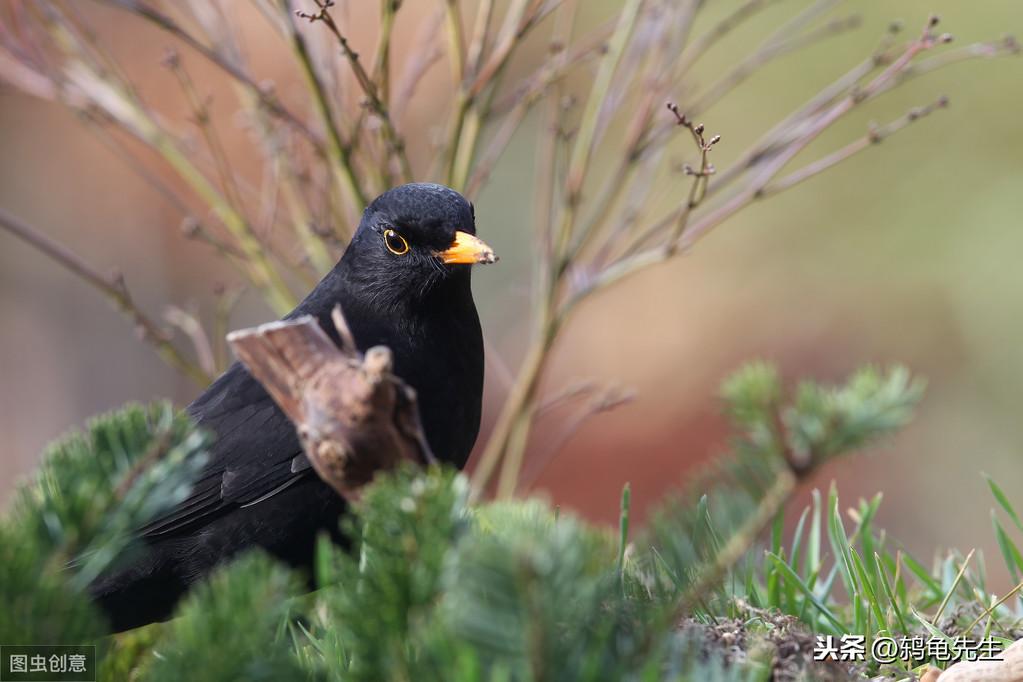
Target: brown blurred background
x,y
909,253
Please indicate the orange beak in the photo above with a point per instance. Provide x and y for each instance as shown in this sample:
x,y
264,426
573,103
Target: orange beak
x,y
467,249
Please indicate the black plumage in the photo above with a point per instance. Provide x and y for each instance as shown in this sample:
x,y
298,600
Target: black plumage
x,y
403,282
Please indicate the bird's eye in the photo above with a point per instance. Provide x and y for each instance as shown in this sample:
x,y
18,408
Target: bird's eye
x,y
395,243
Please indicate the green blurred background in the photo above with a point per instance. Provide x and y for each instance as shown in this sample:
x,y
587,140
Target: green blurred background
x,y
907,253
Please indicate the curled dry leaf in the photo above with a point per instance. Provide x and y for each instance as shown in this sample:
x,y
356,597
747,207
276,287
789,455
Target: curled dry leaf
x,y
353,416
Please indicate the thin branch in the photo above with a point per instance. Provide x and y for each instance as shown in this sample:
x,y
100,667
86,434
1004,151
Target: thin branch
x,y
881,83
189,324
508,439
467,116
572,391
382,58
82,84
876,135
95,121
282,178
113,287
340,158
263,96
227,298
756,188
782,133
478,41
584,142
381,75
426,52
796,123
510,433
522,16
456,40
702,43
653,87
785,39
191,228
394,142
202,119
766,54
607,400
535,87
701,176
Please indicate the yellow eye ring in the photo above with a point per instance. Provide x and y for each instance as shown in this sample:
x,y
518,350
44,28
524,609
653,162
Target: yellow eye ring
x,y
395,243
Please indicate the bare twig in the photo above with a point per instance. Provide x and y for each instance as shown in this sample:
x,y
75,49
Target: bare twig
x,y
394,142
766,54
96,122
876,135
339,155
480,32
264,97
456,41
881,83
508,440
701,175
534,88
113,287
84,84
605,401
484,73
191,228
702,43
382,59
572,391
676,235
227,298
189,324
202,119
426,52
788,140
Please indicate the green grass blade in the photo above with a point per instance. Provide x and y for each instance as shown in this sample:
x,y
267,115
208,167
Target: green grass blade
x,y
923,575
1011,554
889,593
813,553
870,592
623,529
840,542
1003,501
954,586
789,574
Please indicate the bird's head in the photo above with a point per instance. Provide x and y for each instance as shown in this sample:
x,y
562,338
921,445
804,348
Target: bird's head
x,y
414,237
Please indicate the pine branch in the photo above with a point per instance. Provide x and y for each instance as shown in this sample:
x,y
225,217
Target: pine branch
x,y
230,627
78,514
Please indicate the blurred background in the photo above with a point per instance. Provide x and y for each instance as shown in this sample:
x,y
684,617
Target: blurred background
x,y
907,253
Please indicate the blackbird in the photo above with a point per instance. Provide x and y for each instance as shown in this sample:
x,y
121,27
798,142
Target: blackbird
x,y
404,283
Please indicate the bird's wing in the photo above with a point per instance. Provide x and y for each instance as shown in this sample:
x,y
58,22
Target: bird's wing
x,y
255,455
